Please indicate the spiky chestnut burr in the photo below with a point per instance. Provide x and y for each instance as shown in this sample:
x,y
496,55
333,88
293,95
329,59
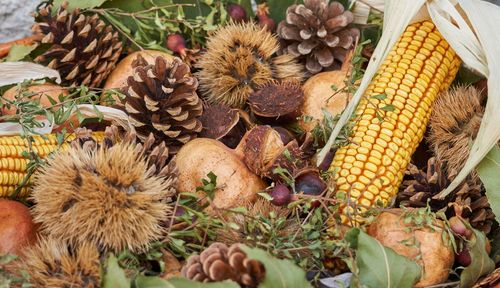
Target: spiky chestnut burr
x,y
454,123
81,47
106,196
239,58
52,263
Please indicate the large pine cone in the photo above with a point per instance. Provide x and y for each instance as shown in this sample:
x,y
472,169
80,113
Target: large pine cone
x,y
219,262
318,33
161,99
469,198
82,48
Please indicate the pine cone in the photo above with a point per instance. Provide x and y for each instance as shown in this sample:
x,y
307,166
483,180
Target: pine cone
x,y
157,155
82,48
219,262
468,199
490,281
318,33
161,99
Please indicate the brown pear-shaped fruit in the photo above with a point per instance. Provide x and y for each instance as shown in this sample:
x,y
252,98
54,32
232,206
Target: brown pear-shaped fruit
x,y
236,184
422,244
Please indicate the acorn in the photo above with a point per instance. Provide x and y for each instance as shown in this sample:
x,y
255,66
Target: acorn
x,y
281,195
220,122
309,182
237,13
277,101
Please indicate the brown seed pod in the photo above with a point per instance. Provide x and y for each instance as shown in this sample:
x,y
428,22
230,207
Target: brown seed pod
x,y
278,101
264,151
222,123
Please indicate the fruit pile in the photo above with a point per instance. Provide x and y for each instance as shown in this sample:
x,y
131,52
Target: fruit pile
x,y
183,144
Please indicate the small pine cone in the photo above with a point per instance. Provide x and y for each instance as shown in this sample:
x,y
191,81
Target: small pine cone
x,y
219,262
82,48
468,200
318,33
157,155
161,99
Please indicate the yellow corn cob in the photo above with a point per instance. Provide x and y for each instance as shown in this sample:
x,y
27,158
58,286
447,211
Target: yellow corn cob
x,y
371,167
13,164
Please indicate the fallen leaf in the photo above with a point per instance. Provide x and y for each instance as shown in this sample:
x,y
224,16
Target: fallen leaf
x,y
488,171
481,263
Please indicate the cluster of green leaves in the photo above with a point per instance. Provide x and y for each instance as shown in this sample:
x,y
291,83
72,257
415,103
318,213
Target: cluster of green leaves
x,y
146,24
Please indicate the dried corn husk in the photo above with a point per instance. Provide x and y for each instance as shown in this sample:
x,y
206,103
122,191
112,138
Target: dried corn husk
x,y
17,72
472,34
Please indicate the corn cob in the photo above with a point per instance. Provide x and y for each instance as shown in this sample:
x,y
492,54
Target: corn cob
x,y
13,164
371,167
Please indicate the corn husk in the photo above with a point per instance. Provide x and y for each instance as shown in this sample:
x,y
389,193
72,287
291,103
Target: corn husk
x,y
471,28
362,8
17,72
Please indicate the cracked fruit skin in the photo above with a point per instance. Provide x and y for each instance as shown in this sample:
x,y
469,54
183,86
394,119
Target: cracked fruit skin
x,y
236,184
16,227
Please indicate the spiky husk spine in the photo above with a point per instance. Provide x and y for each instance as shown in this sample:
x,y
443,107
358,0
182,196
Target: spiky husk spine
x,y
52,263
106,196
454,123
82,47
161,99
239,58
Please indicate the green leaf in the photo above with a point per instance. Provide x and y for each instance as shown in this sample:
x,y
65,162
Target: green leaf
x,y
488,170
481,263
277,9
114,275
380,266
279,273
82,4
379,96
156,282
19,52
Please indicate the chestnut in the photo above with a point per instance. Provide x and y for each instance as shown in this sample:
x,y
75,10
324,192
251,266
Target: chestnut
x,y
309,182
327,161
281,195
